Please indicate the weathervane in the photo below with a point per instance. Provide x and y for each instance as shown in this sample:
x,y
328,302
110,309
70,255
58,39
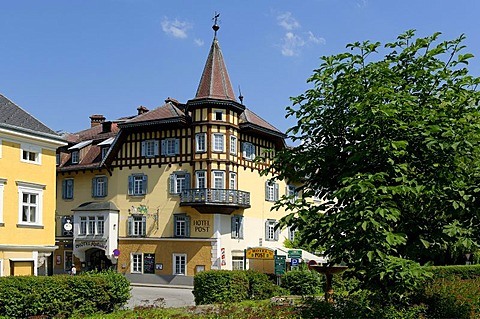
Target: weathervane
x,y
215,26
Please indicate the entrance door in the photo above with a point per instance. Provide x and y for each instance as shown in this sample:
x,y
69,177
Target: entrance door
x,y
96,260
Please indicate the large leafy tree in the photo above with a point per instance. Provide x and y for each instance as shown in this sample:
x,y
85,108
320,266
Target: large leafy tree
x,y
388,138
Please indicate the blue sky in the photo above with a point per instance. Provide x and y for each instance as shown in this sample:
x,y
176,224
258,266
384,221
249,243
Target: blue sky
x,y
64,60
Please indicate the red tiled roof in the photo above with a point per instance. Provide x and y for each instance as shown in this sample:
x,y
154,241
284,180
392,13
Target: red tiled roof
x,y
215,82
250,117
166,111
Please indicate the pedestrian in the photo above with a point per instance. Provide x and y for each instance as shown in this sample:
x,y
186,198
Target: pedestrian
x,y
73,271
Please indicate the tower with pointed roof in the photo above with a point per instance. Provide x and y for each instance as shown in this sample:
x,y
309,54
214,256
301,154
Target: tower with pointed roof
x,y
176,189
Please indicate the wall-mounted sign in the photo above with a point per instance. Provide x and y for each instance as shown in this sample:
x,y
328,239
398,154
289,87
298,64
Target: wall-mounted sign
x,y
116,252
201,225
260,253
97,244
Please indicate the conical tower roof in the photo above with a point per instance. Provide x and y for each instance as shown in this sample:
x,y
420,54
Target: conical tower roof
x,y
215,82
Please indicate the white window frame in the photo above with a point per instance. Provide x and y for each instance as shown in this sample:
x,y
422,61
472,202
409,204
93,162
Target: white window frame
x,y
236,227
170,146
136,260
233,181
150,148
248,151
137,185
175,264
271,191
30,189
218,176
238,263
291,191
178,182
2,186
137,226
200,142
218,142
271,234
233,145
201,179
100,184
83,226
75,157
31,149
181,225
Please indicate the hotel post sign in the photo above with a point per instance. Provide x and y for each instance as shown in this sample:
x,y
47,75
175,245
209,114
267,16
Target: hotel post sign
x,y
259,253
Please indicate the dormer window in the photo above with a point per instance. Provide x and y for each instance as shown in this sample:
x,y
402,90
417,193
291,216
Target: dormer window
x,y
75,157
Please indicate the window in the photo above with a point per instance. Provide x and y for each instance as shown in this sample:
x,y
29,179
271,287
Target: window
x,y
200,176
271,233
170,146
137,184
218,142
75,157
179,264
83,226
178,182
233,181
137,263
30,203
181,225
137,225
218,115
67,188
237,263
2,183
292,193
200,142
291,234
233,145
150,148
30,153
100,225
99,186
248,150
91,225
219,179
271,191
237,227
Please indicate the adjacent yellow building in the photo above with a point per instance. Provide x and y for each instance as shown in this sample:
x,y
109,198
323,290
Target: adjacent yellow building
x,y
27,192
172,191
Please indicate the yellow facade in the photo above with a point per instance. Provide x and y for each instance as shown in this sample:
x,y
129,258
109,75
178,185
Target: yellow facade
x,y
27,179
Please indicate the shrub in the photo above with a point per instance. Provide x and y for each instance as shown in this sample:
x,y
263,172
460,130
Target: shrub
x,y
62,296
218,286
302,282
461,271
261,287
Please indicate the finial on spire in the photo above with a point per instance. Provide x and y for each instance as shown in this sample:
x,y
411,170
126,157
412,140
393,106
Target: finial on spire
x,y
215,27
240,97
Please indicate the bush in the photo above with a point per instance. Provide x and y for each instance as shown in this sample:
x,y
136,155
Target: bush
x,y
462,271
302,282
62,296
218,286
261,287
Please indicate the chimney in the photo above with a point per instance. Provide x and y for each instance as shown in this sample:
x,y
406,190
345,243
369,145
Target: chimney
x,y
172,100
96,119
141,109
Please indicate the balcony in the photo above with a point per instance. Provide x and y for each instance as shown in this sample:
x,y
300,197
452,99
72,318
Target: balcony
x,y
215,201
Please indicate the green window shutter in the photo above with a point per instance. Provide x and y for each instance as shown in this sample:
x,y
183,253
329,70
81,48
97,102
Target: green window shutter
x,y
177,146
171,183
143,150
187,226
156,148
144,226
187,180
105,187
64,189
276,191
94,183
144,184
240,231
233,227
163,150
130,185
277,232
266,190
266,229
129,225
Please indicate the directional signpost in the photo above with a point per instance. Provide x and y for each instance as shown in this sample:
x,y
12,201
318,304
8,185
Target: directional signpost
x,y
295,253
280,265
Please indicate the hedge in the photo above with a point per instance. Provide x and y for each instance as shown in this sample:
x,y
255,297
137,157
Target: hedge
x,y
62,296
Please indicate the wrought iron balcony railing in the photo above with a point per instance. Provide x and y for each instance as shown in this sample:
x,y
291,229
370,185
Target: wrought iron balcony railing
x,y
217,198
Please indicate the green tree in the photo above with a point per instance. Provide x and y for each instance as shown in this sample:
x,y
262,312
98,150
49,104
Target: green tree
x,y
391,146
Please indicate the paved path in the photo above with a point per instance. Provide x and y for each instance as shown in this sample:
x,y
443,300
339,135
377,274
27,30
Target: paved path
x,y
167,297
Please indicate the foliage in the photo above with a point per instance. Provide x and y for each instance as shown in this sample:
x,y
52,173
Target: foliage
x,y
302,282
260,286
62,296
391,146
218,286
462,272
